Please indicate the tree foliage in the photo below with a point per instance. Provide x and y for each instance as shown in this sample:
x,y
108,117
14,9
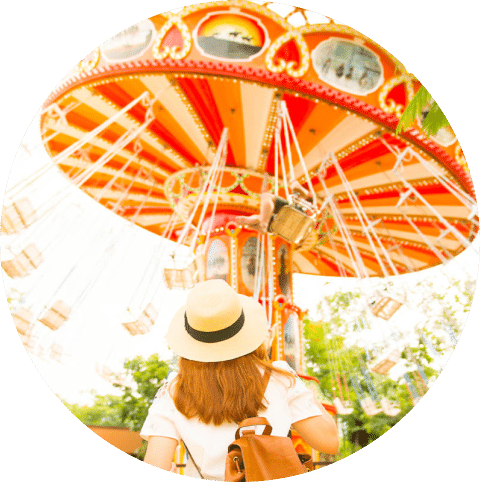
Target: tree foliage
x,y
106,411
148,376
338,356
328,358
424,107
145,377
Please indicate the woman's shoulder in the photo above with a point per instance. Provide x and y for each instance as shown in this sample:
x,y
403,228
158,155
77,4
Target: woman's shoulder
x,y
283,365
282,375
162,396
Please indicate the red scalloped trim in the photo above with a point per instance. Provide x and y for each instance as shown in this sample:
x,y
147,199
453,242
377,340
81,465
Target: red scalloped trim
x,y
280,80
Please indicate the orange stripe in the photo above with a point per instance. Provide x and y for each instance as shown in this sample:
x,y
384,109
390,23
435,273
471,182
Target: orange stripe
x,y
167,119
367,168
228,99
322,120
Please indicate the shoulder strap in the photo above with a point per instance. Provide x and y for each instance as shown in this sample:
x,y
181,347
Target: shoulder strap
x,y
252,422
266,379
193,460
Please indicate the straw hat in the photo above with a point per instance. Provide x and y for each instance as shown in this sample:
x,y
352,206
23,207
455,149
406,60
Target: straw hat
x,y
217,324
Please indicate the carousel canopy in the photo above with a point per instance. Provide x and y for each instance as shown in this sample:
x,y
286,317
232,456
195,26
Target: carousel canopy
x,y
138,124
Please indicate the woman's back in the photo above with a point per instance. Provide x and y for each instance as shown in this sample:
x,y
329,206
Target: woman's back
x,y
219,338
208,443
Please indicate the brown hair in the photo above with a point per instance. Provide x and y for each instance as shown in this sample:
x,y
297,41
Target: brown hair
x,y
226,391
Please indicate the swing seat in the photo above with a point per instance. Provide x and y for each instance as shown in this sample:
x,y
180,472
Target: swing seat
x,y
341,408
144,322
183,279
17,216
389,408
292,225
104,372
384,363
56,352
33,255
108,375
386,308
14,269
28,342
23,263
136,328
56,316
369,407
23,321
148,316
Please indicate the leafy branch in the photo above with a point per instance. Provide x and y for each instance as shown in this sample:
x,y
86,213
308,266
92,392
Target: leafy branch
x,y
423,106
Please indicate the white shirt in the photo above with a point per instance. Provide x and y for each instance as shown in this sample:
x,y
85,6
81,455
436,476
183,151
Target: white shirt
x,y
208,444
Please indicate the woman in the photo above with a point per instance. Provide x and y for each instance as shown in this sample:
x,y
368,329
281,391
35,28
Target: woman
x,y
270,205
219,337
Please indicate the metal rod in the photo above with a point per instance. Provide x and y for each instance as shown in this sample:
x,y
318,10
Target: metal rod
x,y
299,152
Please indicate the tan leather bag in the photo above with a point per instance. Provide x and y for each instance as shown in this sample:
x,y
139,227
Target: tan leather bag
x,y
254,457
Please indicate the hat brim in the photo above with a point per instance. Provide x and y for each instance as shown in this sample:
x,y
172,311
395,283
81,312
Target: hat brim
x,y
249,338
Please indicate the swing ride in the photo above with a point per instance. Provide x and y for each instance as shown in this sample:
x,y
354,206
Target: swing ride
x,y
19,215
173,129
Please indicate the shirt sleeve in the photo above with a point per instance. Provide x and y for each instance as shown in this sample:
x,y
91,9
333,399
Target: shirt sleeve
x,y
300,399
160,420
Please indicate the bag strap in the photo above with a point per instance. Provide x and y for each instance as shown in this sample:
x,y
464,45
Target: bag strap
x,y
266,379
250,422
193,460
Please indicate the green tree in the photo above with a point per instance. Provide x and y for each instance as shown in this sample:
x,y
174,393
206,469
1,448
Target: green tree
x,y
105,411
147,377
144,377
424,107
337,354
328,357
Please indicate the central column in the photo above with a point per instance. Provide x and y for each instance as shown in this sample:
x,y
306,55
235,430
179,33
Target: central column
x,y
258,265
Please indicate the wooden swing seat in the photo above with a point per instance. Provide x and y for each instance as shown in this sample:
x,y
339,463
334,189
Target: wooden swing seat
x,y
23,321
144,322
105,372
384,363
17,216
369,407
386,308
28,342
108,375
33,255
341,408
134,328
148,315
184,279
56,316
292,225
56,352
389,408
23,263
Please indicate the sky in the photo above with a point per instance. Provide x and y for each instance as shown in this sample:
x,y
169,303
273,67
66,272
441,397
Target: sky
x,y
82,242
